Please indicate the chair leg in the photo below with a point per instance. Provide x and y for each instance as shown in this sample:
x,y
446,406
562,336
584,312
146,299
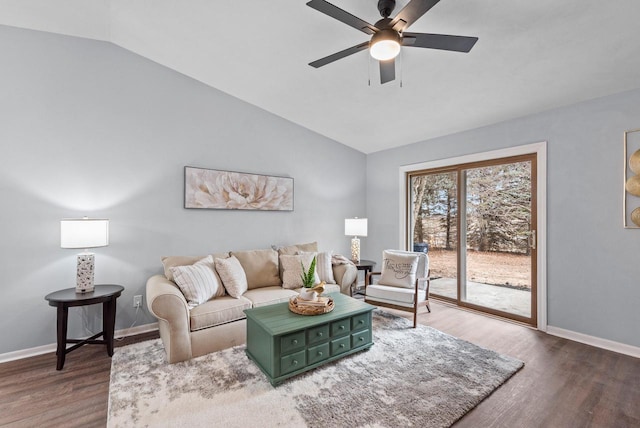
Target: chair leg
x,y
428,307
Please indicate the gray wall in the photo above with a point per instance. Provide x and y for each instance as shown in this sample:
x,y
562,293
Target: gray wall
x,y
88,128
593,268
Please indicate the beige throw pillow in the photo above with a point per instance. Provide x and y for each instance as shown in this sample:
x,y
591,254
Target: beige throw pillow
x,y
232,275
399,270
260,266
292,250
198,282
292,270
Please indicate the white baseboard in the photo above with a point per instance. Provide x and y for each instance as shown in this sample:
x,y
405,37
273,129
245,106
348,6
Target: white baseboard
x,y
598,342
45,349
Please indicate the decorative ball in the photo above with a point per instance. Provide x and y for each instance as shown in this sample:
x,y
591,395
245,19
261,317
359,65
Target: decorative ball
x,y
634,162
635,216
633,185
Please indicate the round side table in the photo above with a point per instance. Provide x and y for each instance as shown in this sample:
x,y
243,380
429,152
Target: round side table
x,y
64,299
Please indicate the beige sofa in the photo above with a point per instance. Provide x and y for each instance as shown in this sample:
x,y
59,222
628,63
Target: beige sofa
x,y
220,322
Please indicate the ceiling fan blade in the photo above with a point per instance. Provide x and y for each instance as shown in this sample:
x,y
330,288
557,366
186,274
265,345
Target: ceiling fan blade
x,y
387,71
342,16
439,41
411,13
339,55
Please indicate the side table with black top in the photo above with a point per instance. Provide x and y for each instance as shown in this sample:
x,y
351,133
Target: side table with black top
x,y
64,299
366,266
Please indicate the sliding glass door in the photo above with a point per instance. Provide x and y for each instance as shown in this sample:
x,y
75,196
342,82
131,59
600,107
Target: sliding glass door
x,y
479,223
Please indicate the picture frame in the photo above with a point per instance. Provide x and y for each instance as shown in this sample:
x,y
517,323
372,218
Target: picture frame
x,y
631,184
231,190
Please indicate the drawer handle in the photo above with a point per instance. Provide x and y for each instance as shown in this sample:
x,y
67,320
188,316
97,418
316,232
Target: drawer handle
x,y
361,322
295,362
320,334
320,354
295,341
341,327
361,339
342,345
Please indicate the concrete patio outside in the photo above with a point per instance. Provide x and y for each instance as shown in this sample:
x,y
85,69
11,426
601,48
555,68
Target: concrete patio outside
x,y
507,299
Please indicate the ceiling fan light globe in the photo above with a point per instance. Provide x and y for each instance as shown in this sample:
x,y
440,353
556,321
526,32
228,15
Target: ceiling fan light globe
x,y
385,45
385,50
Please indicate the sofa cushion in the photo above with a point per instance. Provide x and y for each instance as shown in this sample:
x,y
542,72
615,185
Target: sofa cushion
x,y
292,269
219,311
323,266
232,276
269,295
399,269
198,282
260,267
171,261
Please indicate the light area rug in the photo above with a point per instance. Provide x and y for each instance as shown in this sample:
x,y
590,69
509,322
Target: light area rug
x,y
410,377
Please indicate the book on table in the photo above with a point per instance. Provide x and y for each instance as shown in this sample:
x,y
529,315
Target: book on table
x,y
321,301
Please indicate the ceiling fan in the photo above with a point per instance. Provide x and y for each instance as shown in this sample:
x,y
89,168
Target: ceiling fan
x,y
388,34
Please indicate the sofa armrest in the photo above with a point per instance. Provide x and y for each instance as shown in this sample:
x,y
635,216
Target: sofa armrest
x,y
167,303
345,275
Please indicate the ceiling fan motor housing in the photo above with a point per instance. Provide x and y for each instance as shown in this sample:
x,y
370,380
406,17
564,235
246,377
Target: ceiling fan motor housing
x,y
385,7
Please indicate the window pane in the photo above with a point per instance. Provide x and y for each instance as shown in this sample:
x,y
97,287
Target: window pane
x,y
433,221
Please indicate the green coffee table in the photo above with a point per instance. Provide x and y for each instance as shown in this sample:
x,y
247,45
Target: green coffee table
x,y
284,344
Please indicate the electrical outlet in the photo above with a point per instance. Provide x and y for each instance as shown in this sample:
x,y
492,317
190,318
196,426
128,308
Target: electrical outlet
x,y
137,301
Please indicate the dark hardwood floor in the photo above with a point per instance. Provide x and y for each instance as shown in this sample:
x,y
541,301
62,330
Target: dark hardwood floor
x,y
563,383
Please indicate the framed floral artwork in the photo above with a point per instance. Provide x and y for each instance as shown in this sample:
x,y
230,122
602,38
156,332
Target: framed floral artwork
x,y
229,190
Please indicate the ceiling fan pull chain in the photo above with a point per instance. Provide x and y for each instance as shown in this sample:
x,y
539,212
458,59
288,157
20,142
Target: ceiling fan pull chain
x,y
369,68
401,65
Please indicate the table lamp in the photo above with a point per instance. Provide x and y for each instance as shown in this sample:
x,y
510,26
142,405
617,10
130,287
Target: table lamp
x,y
84,233
355,227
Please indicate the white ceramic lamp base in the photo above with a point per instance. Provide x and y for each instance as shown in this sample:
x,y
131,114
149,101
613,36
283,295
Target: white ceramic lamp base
x,y
84,278
355,250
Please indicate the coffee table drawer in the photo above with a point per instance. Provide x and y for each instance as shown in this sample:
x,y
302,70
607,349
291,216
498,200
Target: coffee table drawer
x,y
338,346
291,342
318,334
318,353
360,338
340,326
293,362
360,321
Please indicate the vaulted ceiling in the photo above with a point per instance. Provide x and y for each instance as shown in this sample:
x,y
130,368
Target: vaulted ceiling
x,y
531,56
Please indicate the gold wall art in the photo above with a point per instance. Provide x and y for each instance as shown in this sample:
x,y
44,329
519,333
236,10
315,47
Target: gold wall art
x,y
631,197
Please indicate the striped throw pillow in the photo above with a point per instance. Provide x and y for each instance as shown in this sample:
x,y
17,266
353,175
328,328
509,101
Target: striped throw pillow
x,y
198,282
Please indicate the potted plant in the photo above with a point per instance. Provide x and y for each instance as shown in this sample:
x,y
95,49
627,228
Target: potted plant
x,y
308,292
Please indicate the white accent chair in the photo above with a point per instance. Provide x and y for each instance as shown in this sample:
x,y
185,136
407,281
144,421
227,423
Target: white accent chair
x,y
403,283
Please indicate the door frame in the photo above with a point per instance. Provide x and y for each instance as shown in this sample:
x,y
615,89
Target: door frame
x,y
540,150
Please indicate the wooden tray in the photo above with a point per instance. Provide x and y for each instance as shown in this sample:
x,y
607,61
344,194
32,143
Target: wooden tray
x,y
302,309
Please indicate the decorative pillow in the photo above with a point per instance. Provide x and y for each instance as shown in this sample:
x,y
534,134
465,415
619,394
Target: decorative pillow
x,y
198,282
291,250
232,275
323,266
172,261
399,270
292,270
260,266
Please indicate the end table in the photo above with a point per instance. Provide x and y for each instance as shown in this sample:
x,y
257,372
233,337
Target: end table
x,y
64,299
366,266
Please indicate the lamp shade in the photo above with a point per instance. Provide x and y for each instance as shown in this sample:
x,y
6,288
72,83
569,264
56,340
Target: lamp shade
x,y
84,232
355,226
